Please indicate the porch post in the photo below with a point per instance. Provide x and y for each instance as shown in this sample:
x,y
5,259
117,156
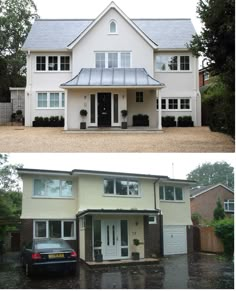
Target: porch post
x,y
159,110
65,111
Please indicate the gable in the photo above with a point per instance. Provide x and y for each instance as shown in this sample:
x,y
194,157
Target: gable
x,y
113,10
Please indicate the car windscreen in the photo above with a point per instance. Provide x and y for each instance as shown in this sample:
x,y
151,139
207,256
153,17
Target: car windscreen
x,y
50,245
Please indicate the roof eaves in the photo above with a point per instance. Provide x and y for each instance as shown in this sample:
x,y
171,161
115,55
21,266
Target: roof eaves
x,y
211,188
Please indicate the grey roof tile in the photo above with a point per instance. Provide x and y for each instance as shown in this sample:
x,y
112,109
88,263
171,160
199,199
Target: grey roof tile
x,y
58,34
112,77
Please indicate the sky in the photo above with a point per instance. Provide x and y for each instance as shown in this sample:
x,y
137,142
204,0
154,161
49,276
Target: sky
x,y
173,165
132,8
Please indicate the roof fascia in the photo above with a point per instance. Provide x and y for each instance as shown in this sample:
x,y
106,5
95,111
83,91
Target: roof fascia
x,y
42,172
113,87
101,15
41,50
213,187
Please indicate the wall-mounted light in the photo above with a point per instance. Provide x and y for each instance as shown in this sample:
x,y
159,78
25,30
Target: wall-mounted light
x,y
136,223
85,97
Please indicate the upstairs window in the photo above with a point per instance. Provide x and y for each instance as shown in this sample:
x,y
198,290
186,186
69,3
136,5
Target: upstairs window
x,y
171,63
41,63
120,186
52,188
65,63
113,27
170,193
112,59
229,205
52,63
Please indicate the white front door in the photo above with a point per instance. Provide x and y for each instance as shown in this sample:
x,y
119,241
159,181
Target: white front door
x,y
110,239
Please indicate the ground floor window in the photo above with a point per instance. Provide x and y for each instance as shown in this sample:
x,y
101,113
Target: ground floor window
x,y
54,229
50,100
174,104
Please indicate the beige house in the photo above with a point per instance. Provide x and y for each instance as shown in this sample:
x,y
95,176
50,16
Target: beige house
x,y
109,64
103,212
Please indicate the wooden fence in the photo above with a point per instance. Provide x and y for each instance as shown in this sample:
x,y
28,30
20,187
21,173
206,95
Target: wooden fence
x,y
205,240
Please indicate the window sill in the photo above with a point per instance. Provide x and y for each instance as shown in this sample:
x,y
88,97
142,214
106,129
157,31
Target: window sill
x,y
50,108
174,110
172,201
122,196
46,197
189,71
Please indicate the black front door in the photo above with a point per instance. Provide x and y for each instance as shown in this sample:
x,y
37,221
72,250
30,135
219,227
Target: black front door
x,y
104,109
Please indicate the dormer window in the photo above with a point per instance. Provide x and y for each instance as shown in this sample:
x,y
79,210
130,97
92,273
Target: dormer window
x,y
113,27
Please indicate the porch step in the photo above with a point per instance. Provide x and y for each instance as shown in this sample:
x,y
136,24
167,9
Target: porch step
x,y
147,261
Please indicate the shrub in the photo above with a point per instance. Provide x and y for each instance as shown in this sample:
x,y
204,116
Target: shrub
x,y
224,229
196,218
18,112
219,212
124,113
83,112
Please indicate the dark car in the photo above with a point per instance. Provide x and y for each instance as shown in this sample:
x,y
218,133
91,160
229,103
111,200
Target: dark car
x,y
48,255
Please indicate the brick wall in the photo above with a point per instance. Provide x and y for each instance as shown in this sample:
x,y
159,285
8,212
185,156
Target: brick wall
x,y
88,239
152,238
26,231
205,203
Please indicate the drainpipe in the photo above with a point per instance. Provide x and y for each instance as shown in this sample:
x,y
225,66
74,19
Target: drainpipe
x,y
160,219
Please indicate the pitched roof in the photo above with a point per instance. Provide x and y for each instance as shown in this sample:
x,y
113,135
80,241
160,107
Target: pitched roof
x,y
114,77
203,189
58,34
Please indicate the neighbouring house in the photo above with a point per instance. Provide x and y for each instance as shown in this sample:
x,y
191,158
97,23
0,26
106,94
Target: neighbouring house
x,y
204,77
103,212
110,64
203,200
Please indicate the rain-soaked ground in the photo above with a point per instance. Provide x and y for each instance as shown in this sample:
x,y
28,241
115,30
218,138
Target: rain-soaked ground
x,y
195,271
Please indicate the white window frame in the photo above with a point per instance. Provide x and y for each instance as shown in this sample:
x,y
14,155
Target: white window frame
x,y
164,194
45,188
139,97
110,23
118,56
154,221
61,94
168,56
62,228
47,64
226,205
114,187
178,106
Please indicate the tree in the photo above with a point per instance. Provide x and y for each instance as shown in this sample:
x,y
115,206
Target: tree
x,y
210,174
216,42
219,212
10,194
16,18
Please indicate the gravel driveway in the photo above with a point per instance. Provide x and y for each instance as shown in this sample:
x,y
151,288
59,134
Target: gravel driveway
x,y
196,139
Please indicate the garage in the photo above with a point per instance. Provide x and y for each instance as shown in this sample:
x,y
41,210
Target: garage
x,y
175,239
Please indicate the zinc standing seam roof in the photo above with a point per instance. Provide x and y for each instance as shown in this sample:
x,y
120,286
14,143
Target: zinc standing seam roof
x,y
58,34
115,77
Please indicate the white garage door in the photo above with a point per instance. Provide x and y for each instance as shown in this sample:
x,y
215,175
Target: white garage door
x,y
175,240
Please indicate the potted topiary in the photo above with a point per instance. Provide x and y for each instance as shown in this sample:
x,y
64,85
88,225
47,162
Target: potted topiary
x,y
83,113
135,255
124,114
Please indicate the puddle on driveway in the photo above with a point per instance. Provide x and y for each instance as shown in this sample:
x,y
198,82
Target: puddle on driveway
x,y
195,271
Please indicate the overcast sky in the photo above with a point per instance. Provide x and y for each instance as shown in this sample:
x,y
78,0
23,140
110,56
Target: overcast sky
x,y
168,164
132,8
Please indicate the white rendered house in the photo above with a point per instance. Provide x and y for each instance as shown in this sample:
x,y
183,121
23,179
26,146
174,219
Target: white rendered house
x,y
110,64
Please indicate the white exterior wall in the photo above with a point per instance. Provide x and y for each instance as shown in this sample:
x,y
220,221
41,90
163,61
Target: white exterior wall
x,y
181,84
46,208
147,107
42,81
99,39
177,212
92,195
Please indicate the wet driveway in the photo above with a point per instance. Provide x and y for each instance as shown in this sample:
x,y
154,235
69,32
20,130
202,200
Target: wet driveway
x,y
195,271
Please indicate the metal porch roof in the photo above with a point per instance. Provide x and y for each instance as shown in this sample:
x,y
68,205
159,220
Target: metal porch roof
x,y
115,77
